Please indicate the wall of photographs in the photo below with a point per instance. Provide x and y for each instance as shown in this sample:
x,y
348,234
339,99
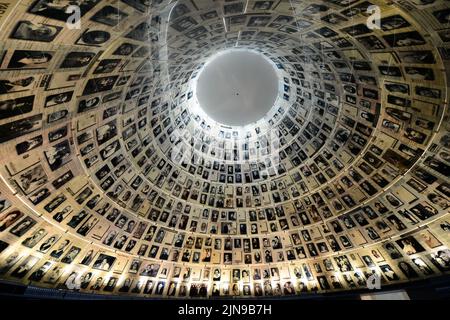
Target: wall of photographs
x,y
114,182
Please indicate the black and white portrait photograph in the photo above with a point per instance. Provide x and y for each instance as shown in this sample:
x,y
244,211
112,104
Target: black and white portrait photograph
x,y
16,85
104,262
31,179
77,60
94,37
106,132
25,267
23,226
111,16
57,99
58,10
27,30
99,84
14,107
27,59
58,155
57,134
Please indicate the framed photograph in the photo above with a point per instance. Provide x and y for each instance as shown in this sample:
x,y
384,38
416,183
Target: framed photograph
x,y
99,84
19,128
48,243
263,5
9,218
389,273
4,204
9,262
110,285
184,24
34,238
28,145
77,60
259,21
405,39
197,33
57,99
209,15
107,66
139,33
57,10
27,59
57,116
71,255
54,274
234,8
444,188
393,22
441,259
88,104
57,134
110,16
23,226
429,239
106,132
14,107
125,49
55,203
3,245
28,30
18,84
410,245
93,38
40,195
31,179
104,262
177,11
25,267
438,166
63,179
58,155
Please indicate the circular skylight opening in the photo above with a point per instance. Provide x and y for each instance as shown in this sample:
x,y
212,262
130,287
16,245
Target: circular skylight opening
x,y
237,87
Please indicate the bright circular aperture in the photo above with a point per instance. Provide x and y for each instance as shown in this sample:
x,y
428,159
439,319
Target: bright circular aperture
x,y
237,87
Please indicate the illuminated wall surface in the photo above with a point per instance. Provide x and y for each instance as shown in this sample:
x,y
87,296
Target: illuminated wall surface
x,y
115,181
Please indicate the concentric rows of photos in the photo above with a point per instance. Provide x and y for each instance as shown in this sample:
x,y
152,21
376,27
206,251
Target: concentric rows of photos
x,y
114,182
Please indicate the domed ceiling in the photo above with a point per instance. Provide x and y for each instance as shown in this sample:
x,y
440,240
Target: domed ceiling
x,y
116,180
